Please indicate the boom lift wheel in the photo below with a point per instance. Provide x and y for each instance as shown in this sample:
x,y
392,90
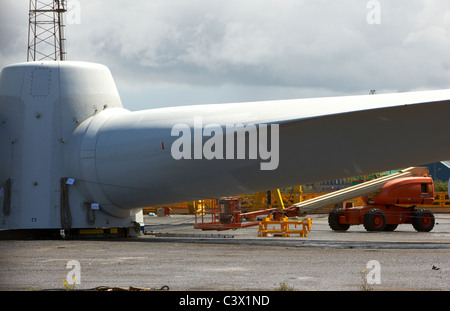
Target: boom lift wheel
x,y
374,220
390,227
333,220
423,220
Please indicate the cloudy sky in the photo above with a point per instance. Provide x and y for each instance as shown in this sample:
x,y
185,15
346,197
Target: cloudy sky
x,y
180,52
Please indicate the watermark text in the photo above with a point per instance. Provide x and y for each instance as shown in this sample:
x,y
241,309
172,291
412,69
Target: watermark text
x,y
231,141
373,272
73,276
374,14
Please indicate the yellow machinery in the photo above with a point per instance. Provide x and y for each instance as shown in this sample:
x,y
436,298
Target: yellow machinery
x,y
260,200
273,198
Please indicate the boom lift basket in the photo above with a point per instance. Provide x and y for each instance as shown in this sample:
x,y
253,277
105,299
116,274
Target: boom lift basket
x,y
225,214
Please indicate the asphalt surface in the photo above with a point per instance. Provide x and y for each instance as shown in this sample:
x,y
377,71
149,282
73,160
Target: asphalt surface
x,y
172,255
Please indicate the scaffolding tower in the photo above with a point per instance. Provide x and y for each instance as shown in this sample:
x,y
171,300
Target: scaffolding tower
x,y
46,37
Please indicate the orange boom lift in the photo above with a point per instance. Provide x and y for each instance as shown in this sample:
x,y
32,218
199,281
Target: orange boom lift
x,y
394,204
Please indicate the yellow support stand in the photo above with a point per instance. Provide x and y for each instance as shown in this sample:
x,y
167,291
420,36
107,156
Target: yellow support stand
x,y
285,227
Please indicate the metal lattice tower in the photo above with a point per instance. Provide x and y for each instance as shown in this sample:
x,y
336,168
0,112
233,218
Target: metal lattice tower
x,y
46,38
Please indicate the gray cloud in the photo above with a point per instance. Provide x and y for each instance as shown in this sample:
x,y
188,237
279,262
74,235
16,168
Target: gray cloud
x,y
198,51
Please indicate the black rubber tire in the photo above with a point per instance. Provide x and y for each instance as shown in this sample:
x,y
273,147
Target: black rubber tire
x,y
374,220
333,220
423,220
390,227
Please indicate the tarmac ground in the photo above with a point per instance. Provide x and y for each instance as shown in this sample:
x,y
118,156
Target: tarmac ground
x,y
173,255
